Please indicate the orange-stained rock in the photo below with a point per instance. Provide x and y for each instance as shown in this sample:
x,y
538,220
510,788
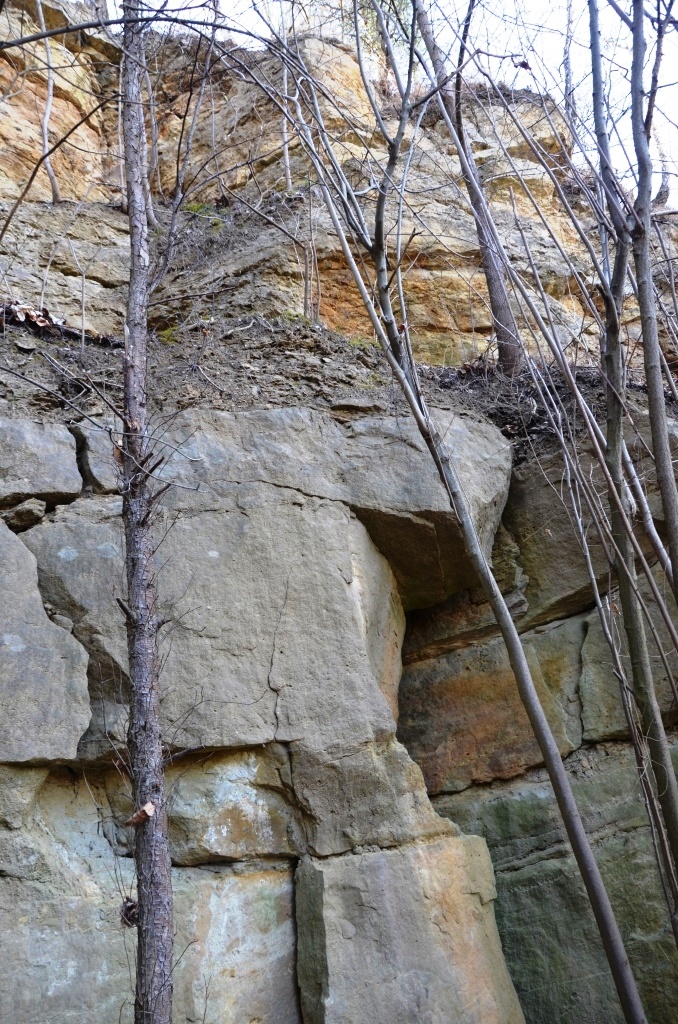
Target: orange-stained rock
x,y
81,76
461,718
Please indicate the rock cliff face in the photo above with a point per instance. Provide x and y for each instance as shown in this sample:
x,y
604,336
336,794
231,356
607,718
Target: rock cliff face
x,y
76,264
347,745
281,671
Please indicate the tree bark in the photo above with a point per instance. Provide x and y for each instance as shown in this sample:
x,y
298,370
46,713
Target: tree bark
x,y
153,996
505,327
646,301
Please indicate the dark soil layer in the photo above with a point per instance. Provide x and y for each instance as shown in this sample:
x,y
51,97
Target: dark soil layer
x,y
525,406
254,362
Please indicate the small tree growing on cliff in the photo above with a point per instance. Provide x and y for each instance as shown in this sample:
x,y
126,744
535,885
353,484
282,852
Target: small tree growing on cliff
x,y
155,927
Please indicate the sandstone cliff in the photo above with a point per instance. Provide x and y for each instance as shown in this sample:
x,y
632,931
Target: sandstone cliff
x,y
357,742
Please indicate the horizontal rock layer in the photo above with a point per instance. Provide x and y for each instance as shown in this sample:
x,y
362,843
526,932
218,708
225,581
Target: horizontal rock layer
x,y
281,668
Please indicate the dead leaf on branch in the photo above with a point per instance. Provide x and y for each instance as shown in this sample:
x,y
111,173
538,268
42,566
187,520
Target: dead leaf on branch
x,y
129,913
142,815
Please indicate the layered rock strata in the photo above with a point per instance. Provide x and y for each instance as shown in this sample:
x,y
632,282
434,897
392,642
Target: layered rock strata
x,y
461,720
233,261
280,675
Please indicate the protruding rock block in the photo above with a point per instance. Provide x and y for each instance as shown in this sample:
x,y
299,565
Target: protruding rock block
x,y
44,701
402,936
37,460
222,807
377,465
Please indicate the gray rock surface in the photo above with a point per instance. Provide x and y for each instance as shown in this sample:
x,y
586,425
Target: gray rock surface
x,y
66,957
37,460
24,516
223,806
402,936
377,465
275,638
44,701
281,667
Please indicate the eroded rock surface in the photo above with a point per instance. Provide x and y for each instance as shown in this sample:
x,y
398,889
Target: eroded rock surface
x,y
37,461
44,702
547,927
376,465
281,669
402,935
461,717
231,261
60,898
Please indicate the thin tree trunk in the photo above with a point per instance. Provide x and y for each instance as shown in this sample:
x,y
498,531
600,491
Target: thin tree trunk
x,y
634,626
47,113
505,327
153,996
646,301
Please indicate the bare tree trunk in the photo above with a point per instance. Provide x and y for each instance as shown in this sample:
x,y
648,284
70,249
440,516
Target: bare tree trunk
x,y
153,997
643,683
648,314
570,105
47,113
508,340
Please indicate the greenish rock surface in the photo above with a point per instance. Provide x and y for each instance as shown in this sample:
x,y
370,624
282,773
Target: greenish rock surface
x,y
602,712
548,932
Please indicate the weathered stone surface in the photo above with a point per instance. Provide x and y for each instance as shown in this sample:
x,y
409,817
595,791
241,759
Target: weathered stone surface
x,y
24,516
393,937
602,712
97,450
276,638
538,516
50,253
377,465
37,460
18,790
448,310
548,932
639,441
44,703
467,618
222,807
60,895
80,65
461,718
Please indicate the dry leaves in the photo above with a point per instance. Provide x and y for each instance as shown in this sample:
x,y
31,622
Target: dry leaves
x,y
142,815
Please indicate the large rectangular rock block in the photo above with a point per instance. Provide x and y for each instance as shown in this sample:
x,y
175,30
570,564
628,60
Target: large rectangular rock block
x,y
37,460
44,700
402,937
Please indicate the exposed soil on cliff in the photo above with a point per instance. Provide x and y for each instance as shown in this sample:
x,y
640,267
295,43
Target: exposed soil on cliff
x,y
256,362
240,364
519,406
